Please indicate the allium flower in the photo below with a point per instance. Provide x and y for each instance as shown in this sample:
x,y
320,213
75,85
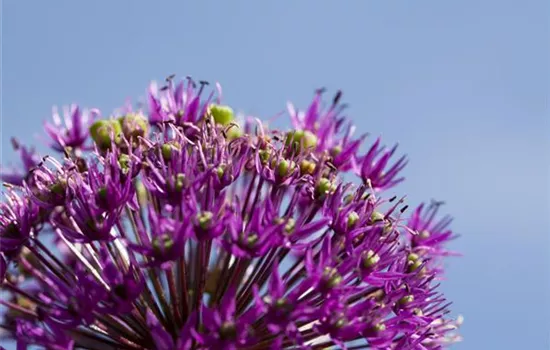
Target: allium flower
x,y
164,229
29,160
75,132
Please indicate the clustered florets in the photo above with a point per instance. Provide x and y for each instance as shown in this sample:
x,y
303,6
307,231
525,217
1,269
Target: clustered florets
x,y
181,227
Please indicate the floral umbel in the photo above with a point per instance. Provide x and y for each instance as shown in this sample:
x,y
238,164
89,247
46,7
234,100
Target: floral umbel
x,y
180,226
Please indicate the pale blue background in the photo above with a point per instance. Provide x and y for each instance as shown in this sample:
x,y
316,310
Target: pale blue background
x,y
462,85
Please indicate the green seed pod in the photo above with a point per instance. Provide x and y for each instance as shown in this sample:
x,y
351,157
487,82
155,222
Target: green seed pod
x,y
134,125
301,138
223,115
103,132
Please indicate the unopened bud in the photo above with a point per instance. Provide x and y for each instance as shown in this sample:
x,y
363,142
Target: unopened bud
x,y
222,115
103,132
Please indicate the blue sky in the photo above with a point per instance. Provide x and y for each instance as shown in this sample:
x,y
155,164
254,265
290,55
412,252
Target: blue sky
x,y
461,85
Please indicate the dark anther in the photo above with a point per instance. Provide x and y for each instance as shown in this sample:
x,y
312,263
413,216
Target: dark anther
x,y
204,82
14,143
170,77
393,198
404,208
164,88
320,90
191,81
337,97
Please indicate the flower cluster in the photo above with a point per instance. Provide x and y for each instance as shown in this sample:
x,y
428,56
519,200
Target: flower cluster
x,y
176,227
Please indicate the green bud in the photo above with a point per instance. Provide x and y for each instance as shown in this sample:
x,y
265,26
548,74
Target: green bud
x,y
370,259
220,171
134,125
162,243
387,228
341,323
59,187
180,181
264,156
285,167
102,130
177,183
222,115
290,225
234,132
353,217
376,217
331,277
413,262
380,327
281,302
307,167
124,163
252,239
168,148
205,219
335,151
406,299
324,187
299,138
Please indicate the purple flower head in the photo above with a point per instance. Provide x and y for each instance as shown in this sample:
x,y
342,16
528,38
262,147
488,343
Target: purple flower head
x,y
222,329
86,219
341,321
17,217
282,309
255,238
168,237
372,167
323,124
179,104
48,335
125,286
29,160
431,234
48,183
325,270
172,228
210,224
77,300
72,131
112,185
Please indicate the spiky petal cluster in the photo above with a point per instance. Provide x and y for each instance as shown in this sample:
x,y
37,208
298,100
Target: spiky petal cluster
x,y
175,233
